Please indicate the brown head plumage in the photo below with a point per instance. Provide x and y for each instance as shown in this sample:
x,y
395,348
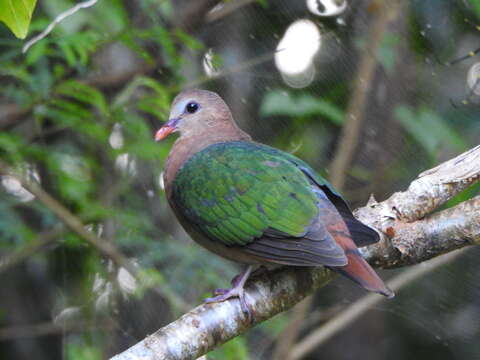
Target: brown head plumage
x,y
196,111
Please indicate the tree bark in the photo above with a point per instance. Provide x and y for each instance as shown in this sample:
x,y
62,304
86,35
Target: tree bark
x,y
408,236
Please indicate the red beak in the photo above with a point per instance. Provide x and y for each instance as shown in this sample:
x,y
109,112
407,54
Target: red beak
x,y
163,132
166,129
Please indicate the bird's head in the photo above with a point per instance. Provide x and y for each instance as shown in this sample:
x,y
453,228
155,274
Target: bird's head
x,y
194,112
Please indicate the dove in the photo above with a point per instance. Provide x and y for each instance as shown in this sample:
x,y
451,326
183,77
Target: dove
x,y
254,204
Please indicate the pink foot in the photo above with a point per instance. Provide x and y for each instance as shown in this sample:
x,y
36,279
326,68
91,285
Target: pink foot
x,y
237,290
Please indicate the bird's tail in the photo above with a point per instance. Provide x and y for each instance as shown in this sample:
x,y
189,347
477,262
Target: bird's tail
x,y
362,273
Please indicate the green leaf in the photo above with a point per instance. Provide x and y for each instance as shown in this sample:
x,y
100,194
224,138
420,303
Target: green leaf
x,y
274,326
110,17
16,14
12,230
387,53
67,52
82,351
11,144
189,41
157,104
476,7
429,129
465,195
235,349
302,105
84,93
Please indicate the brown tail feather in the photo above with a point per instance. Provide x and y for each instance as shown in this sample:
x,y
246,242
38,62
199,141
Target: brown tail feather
x,y
362,273
357,269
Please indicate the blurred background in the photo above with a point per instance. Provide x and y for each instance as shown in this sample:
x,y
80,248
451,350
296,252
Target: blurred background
x,y
370,93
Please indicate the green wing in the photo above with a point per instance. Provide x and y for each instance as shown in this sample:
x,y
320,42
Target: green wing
x,y
236,192
268,202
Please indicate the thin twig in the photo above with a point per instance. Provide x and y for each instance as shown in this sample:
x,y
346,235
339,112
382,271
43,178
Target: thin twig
x,y
353,312
31,249
232,70
42,329
226,9
56,21
194,13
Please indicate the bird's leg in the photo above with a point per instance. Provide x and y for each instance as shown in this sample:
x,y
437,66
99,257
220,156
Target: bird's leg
x,y
237,290
221,291
234,281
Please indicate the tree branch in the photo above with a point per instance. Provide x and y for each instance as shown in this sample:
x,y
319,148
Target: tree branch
x,y
431,189
226,9
42,329
194,13
399,217
31,249
411,243
268,294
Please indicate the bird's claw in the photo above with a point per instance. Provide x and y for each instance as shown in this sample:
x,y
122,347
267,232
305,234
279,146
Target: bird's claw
x,y
218,292
237,290
225,294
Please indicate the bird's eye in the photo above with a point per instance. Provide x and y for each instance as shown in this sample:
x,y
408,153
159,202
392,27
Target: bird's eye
x,y
191,107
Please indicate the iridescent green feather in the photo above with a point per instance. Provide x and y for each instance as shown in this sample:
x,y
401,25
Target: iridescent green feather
x,y
234,192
